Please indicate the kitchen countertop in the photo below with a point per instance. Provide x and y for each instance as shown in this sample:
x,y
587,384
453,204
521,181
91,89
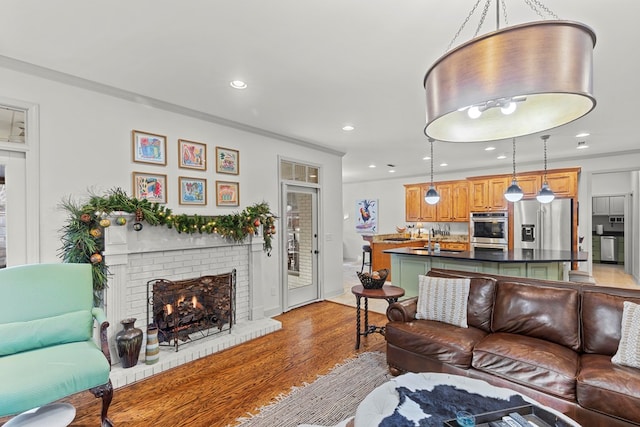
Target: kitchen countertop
x,y
395,238
520,255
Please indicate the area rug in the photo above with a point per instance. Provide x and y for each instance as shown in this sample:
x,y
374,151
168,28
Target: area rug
x,y
330,399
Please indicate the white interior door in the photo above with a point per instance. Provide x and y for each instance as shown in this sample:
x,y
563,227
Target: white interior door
x,y
13,221
301,246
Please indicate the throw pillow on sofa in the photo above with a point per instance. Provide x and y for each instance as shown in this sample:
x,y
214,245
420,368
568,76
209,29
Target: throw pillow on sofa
x,y
443,299
628,353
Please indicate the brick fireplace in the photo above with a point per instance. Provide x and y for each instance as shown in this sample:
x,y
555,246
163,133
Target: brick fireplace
x,y
135,258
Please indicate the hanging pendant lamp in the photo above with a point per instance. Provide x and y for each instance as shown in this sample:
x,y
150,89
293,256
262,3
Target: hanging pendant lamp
x,y
545,195
514,192
431,196
514,81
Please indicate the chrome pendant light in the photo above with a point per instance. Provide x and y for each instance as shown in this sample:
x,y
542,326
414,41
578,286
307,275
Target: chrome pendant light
x,y
514,81
431,197
545,195
514,192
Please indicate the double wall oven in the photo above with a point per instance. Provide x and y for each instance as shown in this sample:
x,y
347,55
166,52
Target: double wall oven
x,y
489,231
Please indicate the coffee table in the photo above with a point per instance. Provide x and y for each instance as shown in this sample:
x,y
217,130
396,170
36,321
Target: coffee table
x,y
388,292
52,415
383,400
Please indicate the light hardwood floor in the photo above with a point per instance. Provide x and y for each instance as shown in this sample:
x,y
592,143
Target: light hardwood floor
x,y
216,390
613,275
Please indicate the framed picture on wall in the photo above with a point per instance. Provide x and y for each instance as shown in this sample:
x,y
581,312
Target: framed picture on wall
x,y
227,193
149,148
192,155
227,161
193,191
150,186
366,216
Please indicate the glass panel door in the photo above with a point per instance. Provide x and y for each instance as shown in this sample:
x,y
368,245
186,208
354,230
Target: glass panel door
x,y
301,246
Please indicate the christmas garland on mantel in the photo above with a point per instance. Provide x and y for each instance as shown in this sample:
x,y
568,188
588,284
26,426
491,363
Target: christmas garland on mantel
x,y
83,240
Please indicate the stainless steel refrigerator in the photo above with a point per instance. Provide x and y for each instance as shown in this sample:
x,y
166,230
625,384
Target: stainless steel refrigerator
x,y
543,226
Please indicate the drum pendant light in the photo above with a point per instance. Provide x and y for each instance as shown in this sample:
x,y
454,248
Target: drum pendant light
x,y
514,81
431,196
545,195
514,192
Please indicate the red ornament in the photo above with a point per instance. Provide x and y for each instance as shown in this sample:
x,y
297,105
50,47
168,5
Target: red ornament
x,y
85,217
256,223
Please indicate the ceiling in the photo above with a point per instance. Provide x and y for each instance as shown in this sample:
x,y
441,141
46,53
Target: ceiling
x,y
313,66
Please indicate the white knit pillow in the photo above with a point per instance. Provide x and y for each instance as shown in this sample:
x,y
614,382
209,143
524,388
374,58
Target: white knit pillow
x,y
443,299
628,353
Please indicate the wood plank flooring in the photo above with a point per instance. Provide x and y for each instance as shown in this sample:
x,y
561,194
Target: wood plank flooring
x,y
216,390
613,275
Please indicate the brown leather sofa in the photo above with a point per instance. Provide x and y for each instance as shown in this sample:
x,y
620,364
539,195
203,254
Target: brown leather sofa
x,y
552,341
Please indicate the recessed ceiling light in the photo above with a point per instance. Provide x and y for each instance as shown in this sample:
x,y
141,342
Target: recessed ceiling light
x,y
348,128
238,84
426,158
444,164
501,157
372,165
582,134
490,148
582,145
392,171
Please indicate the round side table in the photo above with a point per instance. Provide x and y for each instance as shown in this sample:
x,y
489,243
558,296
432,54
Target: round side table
x,y
388,292
53,414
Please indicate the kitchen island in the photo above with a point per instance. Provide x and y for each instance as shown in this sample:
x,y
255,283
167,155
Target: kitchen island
x,y
408,263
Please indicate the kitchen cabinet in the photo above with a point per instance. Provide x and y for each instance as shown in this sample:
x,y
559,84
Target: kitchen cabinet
x,y
380,260
600,205
595,249
487,194
608,205
453,204
530,185
563,183
616,205
454,246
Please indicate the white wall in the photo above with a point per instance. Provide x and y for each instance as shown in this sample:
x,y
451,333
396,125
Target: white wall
x,y
85,144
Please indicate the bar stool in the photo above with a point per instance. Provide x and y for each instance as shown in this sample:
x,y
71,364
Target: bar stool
x,y
366,257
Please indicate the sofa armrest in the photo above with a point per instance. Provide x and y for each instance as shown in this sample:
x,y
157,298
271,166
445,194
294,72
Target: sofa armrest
x,y
403,311
101,319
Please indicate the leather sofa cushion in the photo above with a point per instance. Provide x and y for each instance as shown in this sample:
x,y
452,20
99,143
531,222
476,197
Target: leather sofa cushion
x,y
533,362
551,314
609,388
440,341
601,320
482,291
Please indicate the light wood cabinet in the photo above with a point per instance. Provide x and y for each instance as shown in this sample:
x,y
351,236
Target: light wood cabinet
x,y
487,194
460,201
453,204
412,203
444,208
563,184
454,246
530,185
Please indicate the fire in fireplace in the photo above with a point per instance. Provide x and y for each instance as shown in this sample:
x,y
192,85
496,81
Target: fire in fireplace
x,y
191,309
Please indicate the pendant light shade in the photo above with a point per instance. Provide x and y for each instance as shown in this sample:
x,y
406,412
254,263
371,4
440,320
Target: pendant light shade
x,y
514,192
545,195
431,196
511,82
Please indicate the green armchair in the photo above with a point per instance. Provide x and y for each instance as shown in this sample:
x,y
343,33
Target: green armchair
x,y
47,350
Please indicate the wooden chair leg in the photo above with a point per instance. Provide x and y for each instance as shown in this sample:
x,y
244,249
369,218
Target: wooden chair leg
x,y
106,392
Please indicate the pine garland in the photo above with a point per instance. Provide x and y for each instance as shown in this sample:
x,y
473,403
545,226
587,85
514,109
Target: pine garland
x,y
83,240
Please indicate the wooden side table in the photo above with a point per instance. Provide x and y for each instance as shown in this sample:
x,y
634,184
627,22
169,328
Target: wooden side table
x,y
388,292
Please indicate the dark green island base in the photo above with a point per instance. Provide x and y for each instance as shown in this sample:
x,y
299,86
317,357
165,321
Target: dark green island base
x,y
408,263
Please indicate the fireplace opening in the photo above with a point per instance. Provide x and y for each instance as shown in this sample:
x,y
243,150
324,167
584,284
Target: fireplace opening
x,y
191,309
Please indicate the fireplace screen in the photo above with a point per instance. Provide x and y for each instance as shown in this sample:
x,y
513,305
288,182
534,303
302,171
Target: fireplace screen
x,y
191,309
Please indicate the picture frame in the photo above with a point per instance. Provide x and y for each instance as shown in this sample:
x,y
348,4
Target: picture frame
x,y
227,193
150,186
227,161
366,216
193,191
192,155
149,148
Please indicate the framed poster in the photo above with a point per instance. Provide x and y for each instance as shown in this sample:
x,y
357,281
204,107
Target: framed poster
x,y
227,161
227,193
150,186
193,191
192,155
149,148
366,216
